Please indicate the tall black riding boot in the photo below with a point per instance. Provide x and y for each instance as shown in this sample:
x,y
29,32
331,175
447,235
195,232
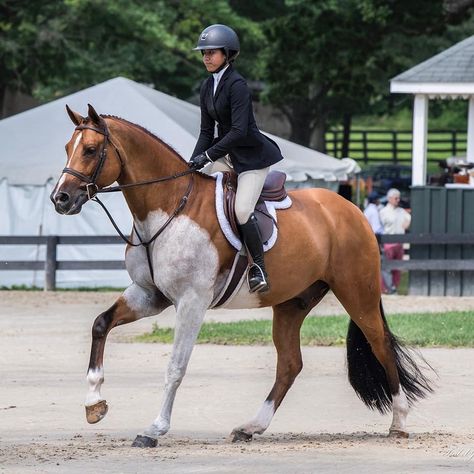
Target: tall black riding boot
x,y
257,276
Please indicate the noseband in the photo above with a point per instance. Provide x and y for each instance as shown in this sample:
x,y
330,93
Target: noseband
x,y
93,189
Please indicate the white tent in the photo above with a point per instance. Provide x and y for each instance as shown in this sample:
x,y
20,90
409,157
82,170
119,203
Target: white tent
x,y
32,157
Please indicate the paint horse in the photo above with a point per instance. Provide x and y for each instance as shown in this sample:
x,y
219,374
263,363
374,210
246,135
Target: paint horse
x,y
324,243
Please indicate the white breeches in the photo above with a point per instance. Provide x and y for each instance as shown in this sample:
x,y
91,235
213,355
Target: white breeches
x,y
249,187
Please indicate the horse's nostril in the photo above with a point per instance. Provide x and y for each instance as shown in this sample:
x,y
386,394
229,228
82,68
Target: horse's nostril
x,y
62,197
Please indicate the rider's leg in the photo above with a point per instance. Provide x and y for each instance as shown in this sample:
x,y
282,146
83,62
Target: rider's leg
x,y
249,188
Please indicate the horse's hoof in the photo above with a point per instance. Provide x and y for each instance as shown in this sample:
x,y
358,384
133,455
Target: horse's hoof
x,y
239,435
398,434
144,442
96,412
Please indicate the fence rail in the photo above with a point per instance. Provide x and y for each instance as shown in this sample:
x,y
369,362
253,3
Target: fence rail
x,y
395,146
51,264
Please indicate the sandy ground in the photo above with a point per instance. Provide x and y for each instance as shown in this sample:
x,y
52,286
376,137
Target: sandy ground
x,y
320,427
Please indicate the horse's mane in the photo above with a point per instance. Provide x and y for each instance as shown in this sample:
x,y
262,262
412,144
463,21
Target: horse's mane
x,y
152,135
143,129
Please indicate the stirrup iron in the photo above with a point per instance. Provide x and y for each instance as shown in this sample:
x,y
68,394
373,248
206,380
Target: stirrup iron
x,y
257,286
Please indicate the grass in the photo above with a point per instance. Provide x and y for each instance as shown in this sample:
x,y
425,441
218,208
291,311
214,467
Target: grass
x,y
453,329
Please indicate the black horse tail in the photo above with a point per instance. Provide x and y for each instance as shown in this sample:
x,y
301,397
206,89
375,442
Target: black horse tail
x,y
367,376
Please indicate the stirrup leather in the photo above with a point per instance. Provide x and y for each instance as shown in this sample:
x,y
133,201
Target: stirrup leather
x,y
258,283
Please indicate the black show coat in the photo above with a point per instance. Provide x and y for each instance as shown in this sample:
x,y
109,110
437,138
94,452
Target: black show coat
x,y
238,134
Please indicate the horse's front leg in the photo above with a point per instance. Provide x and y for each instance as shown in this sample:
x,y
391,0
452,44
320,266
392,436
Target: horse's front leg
x,y
190,313
135,303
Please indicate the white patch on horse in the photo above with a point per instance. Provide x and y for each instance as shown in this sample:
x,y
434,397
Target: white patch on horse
x,y
185,265
261,421
95,378
69,158
139,300
184,258
76,144
400,410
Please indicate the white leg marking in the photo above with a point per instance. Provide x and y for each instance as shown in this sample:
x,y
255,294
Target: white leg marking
x,y
95,378
261,421
400,410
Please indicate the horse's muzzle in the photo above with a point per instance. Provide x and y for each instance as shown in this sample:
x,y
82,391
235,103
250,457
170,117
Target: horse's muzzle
x,y
66,204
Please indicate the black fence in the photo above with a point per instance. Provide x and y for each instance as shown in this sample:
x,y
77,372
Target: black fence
x,y
51,264
395,146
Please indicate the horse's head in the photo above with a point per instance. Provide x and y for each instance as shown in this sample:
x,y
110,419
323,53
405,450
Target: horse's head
x,y
89,165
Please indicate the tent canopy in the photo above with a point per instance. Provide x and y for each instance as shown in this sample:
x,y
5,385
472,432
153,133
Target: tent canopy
x,y
33,141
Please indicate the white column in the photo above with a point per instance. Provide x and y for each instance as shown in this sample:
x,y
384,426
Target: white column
x,y
470,131
420,138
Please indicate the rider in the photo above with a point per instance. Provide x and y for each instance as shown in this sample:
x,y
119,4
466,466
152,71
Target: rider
x,y
230,139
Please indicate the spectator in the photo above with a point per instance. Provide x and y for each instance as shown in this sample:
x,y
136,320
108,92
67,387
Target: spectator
x,y
372,214
395,220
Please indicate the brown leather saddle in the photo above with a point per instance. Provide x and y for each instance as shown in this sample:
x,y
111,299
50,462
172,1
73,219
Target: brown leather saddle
x,y
273,190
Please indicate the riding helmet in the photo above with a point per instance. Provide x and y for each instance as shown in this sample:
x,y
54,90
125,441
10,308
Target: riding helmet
x,y
219,37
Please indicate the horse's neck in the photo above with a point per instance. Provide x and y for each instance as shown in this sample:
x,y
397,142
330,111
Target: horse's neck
x,y
146,158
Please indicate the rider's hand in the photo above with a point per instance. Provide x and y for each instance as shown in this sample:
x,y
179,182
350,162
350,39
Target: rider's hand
x,y
198,161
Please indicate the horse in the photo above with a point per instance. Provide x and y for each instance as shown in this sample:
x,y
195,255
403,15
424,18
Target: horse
x,y
178,255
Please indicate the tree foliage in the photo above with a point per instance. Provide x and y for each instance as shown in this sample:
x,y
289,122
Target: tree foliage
x,y
331,58
321,60
54,47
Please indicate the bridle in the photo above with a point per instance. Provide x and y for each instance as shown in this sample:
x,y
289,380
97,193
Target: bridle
x,y
91,181
93,189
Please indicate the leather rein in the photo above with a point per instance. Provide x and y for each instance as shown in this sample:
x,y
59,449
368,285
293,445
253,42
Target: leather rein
x,y
93,189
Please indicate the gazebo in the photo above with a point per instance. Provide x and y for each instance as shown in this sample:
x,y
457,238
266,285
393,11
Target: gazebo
x,y
449,74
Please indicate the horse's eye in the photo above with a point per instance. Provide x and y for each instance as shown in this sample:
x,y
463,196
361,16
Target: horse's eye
x,y
90,150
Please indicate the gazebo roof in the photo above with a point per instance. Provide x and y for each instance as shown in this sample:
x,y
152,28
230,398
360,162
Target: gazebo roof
x,y
450,72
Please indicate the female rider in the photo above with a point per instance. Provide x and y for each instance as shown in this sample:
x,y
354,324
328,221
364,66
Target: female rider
x,y
230,139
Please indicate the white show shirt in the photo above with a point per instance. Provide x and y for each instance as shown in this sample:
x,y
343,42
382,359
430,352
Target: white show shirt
x,y
371,212
395,220
217,77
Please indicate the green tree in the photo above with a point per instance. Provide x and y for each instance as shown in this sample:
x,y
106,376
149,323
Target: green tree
x,y
330,59
55,47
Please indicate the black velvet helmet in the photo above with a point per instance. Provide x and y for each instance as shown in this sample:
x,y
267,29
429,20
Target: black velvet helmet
x,y
219,37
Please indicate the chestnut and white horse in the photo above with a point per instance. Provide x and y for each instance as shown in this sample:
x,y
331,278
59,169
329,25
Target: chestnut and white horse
x,y
324,242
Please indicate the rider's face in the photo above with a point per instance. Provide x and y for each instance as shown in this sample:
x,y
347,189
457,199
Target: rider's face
x,y
213,59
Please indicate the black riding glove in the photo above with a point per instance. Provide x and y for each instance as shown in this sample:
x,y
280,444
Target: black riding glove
x,y
198,161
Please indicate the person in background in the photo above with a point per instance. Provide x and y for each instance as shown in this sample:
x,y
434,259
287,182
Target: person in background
x,y
395,220
371,212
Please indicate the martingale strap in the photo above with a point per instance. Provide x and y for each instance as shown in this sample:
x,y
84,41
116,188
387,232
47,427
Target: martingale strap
x,y
181,205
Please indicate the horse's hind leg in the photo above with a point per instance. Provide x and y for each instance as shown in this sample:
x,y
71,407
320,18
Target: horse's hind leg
x,y
135,303
381,371
287,320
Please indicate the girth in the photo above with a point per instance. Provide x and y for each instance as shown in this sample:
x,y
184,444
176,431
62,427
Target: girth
x,y
273,190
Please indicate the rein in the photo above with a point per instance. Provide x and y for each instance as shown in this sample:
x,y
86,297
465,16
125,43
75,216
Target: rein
x,y
92,191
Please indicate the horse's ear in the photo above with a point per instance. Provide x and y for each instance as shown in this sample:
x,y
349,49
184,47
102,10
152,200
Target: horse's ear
x,y
94,116
74,116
